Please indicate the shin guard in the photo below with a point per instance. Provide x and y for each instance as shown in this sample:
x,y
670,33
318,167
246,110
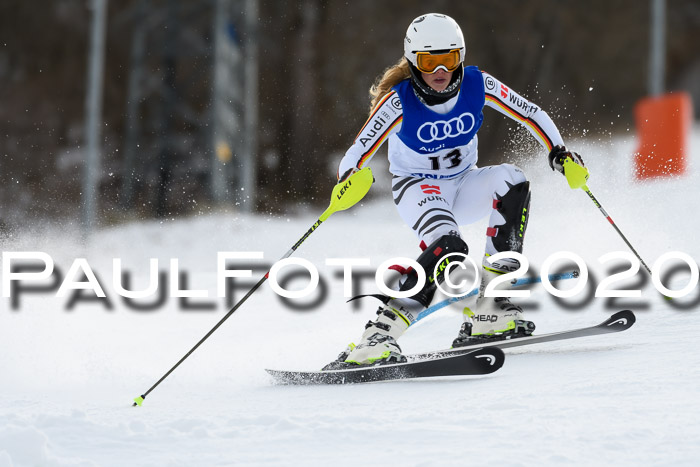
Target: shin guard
x,y
514,206
434,255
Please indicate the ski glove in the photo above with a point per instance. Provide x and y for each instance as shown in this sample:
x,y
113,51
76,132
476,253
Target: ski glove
x,y
559,154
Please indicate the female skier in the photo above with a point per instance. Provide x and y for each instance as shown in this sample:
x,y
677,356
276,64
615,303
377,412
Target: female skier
x,y
429,106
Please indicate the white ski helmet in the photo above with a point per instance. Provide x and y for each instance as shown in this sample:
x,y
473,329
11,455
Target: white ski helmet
x,y
430,33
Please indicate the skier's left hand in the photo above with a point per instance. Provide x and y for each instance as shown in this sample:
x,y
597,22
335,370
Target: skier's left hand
x,y
559,154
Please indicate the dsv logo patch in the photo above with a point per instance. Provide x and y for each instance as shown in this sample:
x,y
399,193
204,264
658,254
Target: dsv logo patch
x,y
443,129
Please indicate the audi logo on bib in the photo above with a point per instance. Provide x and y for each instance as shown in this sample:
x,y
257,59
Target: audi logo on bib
x,y
443,129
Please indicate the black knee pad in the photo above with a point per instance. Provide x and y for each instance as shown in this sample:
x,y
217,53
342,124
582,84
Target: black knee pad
x,y
431,257
514,206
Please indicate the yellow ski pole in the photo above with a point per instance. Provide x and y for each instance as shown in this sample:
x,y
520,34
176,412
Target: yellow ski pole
x,y
345,195
577,176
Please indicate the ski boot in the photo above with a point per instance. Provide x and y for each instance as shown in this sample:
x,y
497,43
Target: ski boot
x,y
495,318
378,342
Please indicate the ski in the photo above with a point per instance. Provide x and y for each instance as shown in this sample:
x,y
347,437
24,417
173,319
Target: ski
x,y
468,363
618,322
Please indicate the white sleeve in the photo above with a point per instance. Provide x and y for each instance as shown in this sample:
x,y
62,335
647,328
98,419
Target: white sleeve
x,y
384,120
511,104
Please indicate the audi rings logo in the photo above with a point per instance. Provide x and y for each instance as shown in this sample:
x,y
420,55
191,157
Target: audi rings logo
x,y
443,129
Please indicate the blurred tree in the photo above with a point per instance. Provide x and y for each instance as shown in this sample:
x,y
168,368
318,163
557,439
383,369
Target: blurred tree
x,y
584,62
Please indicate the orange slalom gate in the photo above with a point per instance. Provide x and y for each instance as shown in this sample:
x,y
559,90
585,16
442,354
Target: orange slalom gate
x,y
663,126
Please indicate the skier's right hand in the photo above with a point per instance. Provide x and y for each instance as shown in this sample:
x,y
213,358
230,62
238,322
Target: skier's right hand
x,y
559,154
344,176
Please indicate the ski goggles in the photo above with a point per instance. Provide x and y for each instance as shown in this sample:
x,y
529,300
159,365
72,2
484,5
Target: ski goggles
x,y
428,62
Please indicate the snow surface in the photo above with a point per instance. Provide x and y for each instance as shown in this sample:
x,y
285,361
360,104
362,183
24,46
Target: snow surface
x,y
68,377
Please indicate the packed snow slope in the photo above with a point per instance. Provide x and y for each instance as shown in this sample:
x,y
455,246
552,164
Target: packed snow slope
x,y
68,376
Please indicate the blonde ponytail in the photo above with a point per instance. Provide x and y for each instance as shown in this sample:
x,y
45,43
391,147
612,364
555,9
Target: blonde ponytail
x,y
391,77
